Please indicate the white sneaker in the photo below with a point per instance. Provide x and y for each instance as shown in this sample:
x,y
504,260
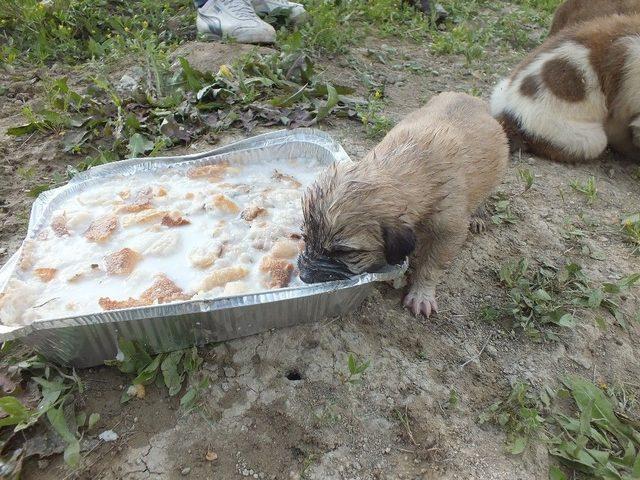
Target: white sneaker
x,y
235,19
296,12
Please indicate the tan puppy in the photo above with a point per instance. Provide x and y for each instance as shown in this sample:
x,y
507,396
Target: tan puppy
x,y
412,195
573,12
576,93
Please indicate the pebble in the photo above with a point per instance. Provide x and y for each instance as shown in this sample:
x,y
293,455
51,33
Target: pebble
x,y
225,386
185,471
492,351
245,473
229,372
108,436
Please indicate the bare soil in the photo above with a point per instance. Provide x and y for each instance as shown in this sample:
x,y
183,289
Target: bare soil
x,y
278,406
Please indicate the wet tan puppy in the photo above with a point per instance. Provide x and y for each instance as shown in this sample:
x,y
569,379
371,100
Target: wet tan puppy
x,y
573,12
412,195
578,92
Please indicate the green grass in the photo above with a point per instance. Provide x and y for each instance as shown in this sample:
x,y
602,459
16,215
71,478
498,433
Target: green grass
x,y
588,188
631,231
76,30
588,430
545,298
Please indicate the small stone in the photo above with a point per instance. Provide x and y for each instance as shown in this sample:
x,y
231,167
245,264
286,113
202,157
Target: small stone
x,y
387,450
492,351
255,475
250,472
185,471
245,473
225,386
229,372
108,436
211,456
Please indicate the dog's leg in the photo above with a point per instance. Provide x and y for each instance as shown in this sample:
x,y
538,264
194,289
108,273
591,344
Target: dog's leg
x,y
478,222
438,245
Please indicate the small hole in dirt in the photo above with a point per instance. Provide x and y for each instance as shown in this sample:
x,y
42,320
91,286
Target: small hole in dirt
x,y
294,375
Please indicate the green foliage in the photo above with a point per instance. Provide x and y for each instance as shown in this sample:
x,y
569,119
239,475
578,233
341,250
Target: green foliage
x,y
527,177
166,369
35,390
356,369
549,296
595,440
501,210
631,231
520,415
78,30
588,188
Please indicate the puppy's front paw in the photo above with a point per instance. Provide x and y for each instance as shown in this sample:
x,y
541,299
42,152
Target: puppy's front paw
x,y
421,301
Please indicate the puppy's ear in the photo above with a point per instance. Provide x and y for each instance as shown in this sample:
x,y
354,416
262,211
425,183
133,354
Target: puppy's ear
x,y
399,243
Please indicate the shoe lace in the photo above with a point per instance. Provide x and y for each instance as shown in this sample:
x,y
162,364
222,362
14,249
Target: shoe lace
x,y
240,8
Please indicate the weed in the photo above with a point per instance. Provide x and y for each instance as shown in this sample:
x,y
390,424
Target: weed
x,y
501,210
172,108
166,369
375,124
527,177
588,188
596,441
40,31
356,369
549,296
33,389
454,399
520,415
631,230
403,418
586,435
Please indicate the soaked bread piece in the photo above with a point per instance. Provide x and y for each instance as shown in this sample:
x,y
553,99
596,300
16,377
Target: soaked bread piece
x,y
92,271
59,225
285,248
204,256
235,288
165,244
222,276
163,290
279,271
283,177
101,229
174,219
223,203
251,213
211,172
25,262
45,274
140,201
109,304
122,262
144,216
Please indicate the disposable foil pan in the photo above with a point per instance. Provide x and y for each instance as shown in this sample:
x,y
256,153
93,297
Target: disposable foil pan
x,y
88,340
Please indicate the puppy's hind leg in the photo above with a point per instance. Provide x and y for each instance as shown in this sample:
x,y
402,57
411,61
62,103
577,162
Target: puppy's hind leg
x,y
479,219
438,243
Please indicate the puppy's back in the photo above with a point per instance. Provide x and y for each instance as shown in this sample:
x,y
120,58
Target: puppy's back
x,y
465,139
573,12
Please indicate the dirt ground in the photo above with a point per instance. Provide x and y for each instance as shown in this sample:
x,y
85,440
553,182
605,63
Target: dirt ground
x,y
278,406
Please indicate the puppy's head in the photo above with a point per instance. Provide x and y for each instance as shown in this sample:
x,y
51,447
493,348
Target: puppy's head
x,y
350,227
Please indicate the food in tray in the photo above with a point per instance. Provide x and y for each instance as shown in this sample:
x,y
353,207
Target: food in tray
x,y
180,233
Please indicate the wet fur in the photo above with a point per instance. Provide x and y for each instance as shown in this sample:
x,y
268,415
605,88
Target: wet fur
x,y
413,194
573,12
577,93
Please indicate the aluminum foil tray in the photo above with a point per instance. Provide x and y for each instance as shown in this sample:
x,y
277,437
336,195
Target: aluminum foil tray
x,y
89,340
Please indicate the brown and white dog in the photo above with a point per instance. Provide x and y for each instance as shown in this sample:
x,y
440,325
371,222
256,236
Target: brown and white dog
x,y
576,93
573,12
412,195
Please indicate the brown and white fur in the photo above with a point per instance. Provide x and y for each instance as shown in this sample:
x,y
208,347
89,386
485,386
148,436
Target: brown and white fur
x,y
412,195
573,12
576,93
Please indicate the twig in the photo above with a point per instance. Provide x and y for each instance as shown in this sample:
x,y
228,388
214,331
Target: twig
x,y
479,353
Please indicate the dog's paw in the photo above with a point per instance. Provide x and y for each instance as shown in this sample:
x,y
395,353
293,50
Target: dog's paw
x,y
477,225
421,302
